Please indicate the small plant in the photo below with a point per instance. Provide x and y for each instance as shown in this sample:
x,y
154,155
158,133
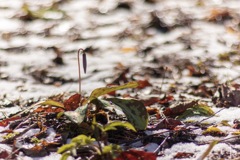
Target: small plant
x,y
133,109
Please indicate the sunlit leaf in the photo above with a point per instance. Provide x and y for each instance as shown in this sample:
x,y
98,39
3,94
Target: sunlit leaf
x,y
134,110
214,131
82,140
208,150
52,103
113,125
111,148
236,133
66,147
101,91
197,110
65,156
78,115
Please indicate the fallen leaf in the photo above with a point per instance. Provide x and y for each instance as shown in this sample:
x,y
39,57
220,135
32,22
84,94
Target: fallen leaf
x,y
197,110
183,155
166,123
219,15
143,84
226,96
4,154
73,102
179,108
153,100
5,122
136,155
36,151
214,131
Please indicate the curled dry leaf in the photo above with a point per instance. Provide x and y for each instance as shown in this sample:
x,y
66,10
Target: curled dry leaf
x,y
167,123
226,96
158,100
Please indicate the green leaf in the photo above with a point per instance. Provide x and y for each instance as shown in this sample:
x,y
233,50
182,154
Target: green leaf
x,y
78,115
111,148
134,110
113,125
65,156
83,140
66,147
197,110
52,103
104,90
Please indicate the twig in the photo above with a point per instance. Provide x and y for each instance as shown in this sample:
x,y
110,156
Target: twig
x,y
159,147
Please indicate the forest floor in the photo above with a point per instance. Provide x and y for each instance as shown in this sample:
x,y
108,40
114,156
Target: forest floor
x,y
183,55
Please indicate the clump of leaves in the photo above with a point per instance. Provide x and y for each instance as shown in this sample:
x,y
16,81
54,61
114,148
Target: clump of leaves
x,y
101,149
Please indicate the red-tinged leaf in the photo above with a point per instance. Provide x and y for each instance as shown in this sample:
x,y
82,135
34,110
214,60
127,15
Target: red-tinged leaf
x,y
167,123
183,155
179,108
4,154
136,155
5,122
152,111
73,102
36,151
154,100
143,84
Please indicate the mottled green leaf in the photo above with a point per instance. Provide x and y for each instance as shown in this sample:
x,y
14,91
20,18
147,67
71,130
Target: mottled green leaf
x,y
197,110
78,115
104,90
134,110
113,125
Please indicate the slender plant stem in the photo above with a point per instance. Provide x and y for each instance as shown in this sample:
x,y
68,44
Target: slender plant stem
x,y
79,70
